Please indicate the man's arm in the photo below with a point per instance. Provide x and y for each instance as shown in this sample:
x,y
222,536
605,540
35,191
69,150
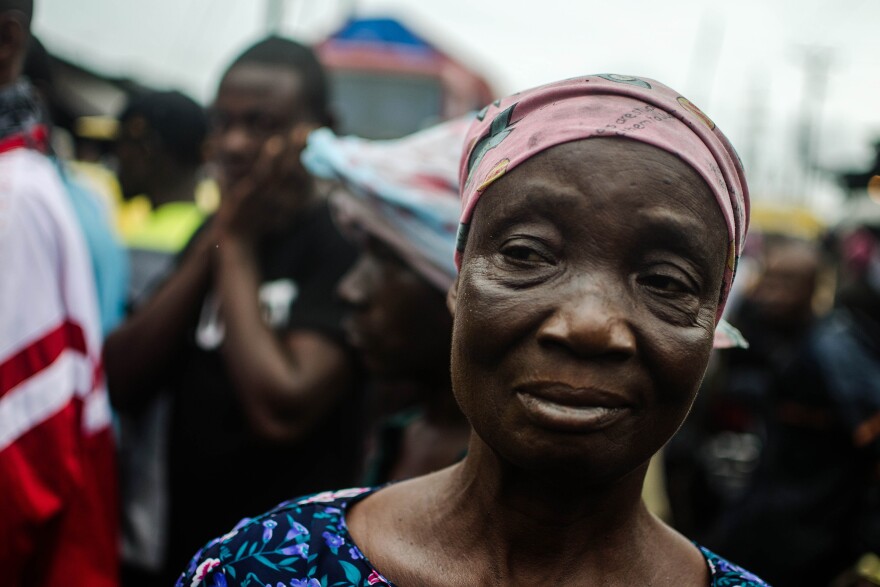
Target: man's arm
x,y
285,384
138,354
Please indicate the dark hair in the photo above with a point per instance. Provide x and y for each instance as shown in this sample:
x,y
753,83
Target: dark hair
x,y
301,60
25,6
180,124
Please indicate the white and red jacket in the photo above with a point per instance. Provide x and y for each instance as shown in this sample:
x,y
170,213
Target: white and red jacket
x,y
58,503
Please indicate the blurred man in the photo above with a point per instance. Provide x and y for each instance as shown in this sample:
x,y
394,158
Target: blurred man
x,y
58,506
783,295
160,153
776,318
246,332
159,150
814,506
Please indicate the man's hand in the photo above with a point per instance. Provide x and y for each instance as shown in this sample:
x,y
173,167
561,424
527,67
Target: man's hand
x,y
270,196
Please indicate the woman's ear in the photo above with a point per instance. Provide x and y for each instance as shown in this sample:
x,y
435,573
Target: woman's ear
x,y
452,297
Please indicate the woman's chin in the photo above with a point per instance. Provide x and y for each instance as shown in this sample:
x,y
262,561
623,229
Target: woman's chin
x,y
554,461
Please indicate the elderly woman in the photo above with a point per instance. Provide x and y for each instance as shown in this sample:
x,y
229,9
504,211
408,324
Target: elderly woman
x,y
602,220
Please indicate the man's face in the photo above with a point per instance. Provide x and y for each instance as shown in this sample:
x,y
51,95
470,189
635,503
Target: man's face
x,y
254,103
14,34
134,156
784,293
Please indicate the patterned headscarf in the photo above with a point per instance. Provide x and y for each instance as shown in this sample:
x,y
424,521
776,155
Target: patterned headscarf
x,y
403,192
514,129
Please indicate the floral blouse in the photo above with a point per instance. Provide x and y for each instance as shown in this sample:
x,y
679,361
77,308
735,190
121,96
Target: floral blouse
x,y
305,543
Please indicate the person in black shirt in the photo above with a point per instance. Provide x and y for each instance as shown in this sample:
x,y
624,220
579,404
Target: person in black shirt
x,y
246,332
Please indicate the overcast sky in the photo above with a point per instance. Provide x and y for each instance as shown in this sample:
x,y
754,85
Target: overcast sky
x,y
742,62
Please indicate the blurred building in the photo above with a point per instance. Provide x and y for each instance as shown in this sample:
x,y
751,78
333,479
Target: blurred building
x,y
389,82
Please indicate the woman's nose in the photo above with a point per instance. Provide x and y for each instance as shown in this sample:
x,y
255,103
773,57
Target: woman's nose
x,y
590,321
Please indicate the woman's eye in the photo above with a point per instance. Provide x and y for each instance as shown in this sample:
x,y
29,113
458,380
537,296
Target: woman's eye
x,y
522,253
667,284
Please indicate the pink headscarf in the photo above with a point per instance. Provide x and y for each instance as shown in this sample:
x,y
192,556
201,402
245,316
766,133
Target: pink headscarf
x,y
514,129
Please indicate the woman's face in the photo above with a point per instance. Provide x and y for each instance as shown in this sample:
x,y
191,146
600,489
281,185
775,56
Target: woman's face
x,y
398,322
584,310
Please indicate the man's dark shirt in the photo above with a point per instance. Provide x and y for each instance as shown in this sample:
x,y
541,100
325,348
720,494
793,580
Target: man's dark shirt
x,y
219,470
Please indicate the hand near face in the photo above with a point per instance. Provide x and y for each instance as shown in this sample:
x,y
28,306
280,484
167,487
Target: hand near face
x,y
270,195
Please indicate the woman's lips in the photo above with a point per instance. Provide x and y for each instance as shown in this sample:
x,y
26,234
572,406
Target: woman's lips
x,y
565,408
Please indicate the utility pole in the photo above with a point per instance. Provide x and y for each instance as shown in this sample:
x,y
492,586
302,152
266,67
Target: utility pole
x,y
755,122
708,46
274,21
816,62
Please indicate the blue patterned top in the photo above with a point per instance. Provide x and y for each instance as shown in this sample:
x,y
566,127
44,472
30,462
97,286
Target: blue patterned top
x,y
305,543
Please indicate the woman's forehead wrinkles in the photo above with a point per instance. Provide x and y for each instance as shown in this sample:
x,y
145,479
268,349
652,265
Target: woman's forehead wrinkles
x,y
526,209
548,184
616,108
683,233
534,193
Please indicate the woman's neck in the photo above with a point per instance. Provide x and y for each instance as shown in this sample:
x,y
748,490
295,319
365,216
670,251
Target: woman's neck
x,y
547,499
519,524
520,528
528,521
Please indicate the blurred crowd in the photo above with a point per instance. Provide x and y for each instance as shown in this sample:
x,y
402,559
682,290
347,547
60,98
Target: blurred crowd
x,y
222,308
